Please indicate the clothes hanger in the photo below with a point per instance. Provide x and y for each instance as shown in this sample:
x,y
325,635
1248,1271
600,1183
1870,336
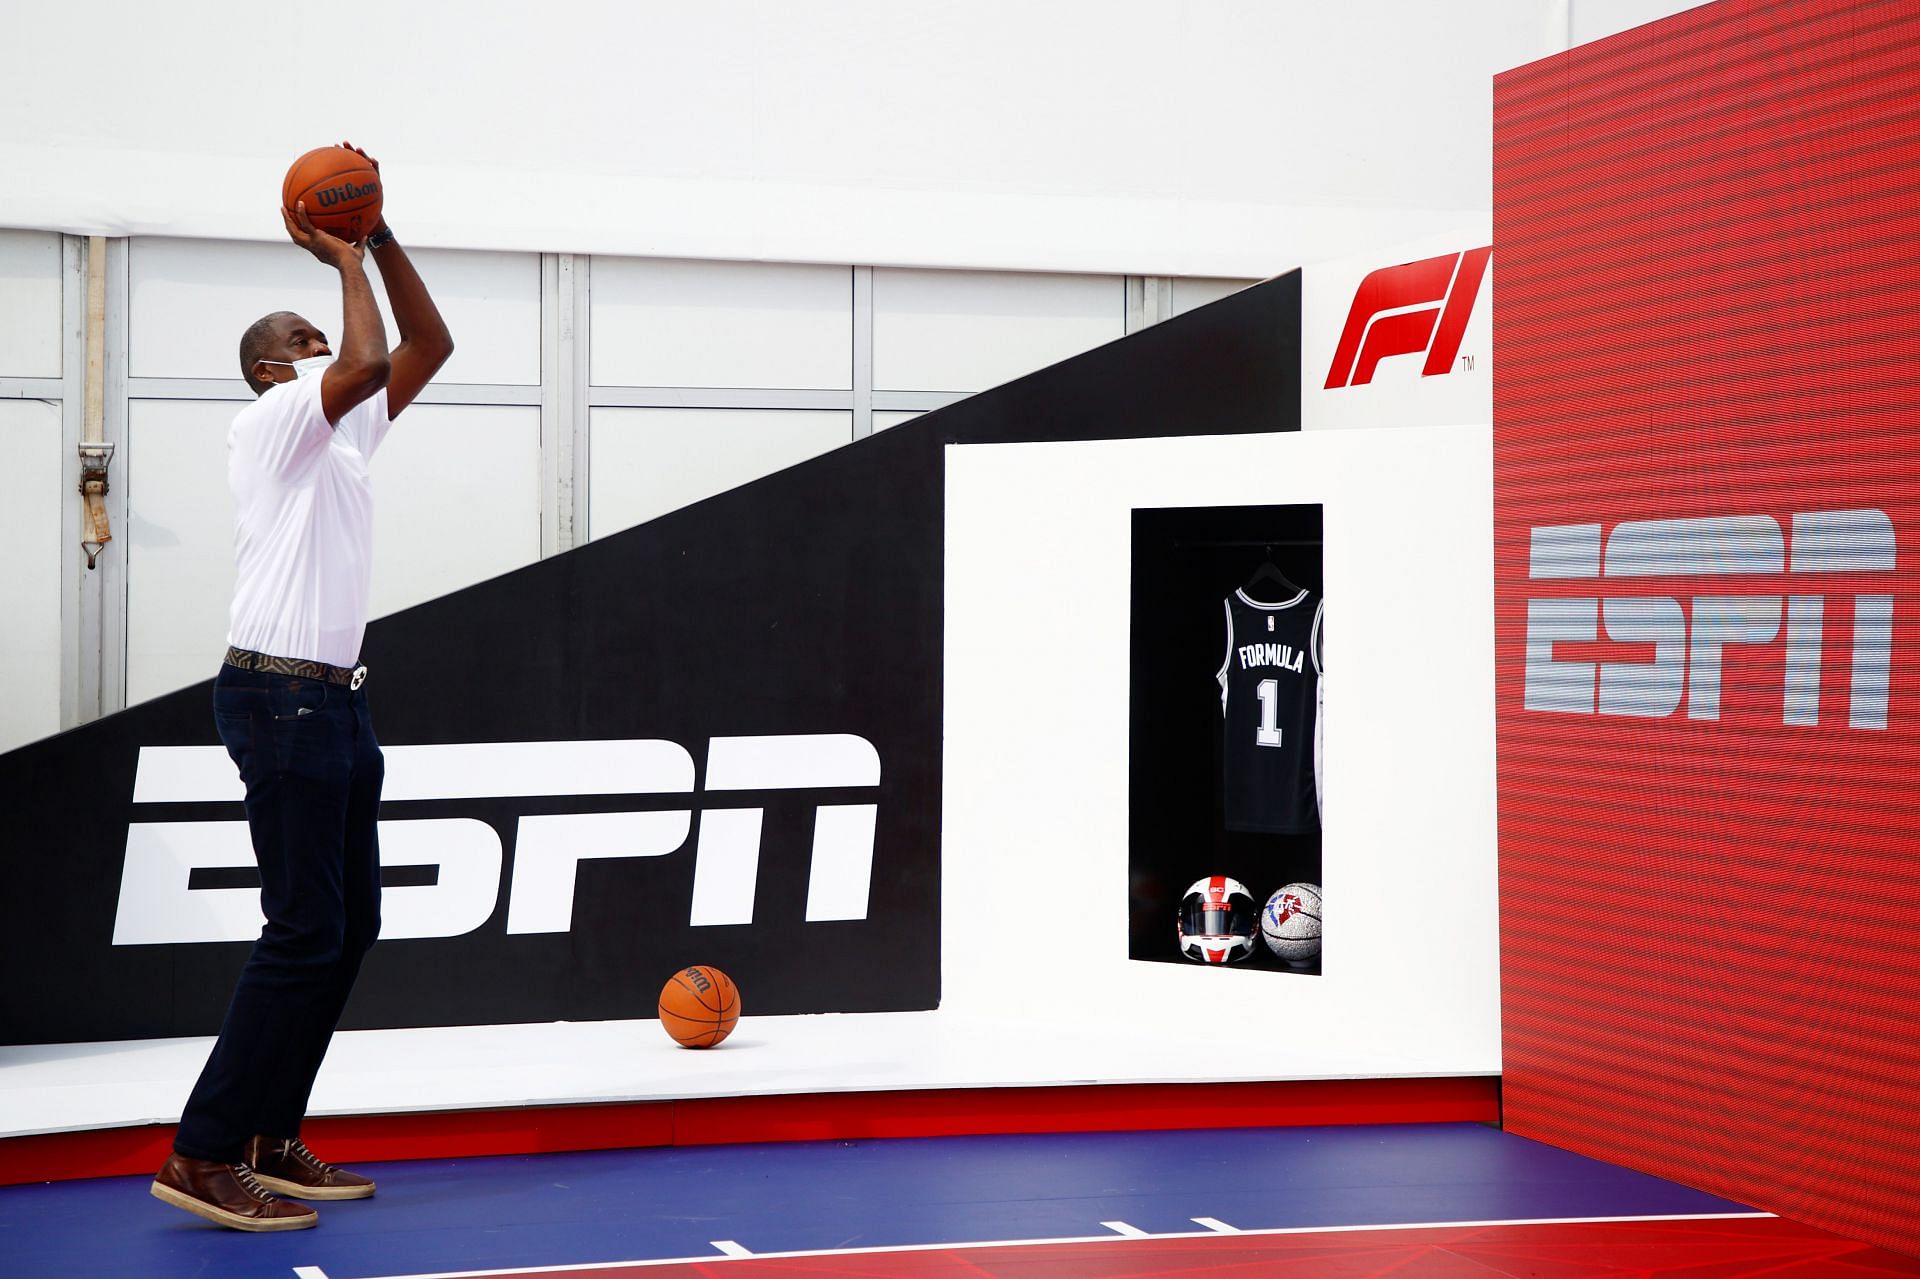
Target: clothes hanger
x,y
1269,574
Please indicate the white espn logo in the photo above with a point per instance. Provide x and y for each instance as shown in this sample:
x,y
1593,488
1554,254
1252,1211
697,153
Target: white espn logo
x,y
157,907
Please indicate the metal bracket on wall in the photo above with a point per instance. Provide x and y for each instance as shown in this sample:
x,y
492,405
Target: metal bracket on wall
x,y
95,532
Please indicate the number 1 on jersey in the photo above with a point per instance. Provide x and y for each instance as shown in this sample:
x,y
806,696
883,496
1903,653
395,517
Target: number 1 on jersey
x,y
1268,734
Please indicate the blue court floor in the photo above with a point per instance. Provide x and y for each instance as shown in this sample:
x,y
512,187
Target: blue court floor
x,y
543,1211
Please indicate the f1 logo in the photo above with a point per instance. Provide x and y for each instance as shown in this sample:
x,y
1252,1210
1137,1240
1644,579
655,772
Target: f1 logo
x,y
1402,310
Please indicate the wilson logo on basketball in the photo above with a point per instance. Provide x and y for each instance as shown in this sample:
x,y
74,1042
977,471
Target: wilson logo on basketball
x,y
1407,309
330,196
1687,639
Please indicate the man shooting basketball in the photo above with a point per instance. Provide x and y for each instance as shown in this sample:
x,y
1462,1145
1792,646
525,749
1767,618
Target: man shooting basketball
x,y
291,711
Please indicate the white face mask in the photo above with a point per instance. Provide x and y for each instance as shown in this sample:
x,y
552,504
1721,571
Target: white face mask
x,y
301,368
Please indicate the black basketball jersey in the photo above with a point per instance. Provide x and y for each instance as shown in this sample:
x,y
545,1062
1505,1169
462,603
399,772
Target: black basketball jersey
x,y
1269,703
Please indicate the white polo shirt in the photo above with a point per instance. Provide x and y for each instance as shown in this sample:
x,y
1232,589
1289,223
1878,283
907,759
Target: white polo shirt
x,y
303,523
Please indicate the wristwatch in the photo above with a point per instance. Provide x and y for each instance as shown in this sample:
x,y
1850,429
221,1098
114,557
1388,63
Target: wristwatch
x,y
381,238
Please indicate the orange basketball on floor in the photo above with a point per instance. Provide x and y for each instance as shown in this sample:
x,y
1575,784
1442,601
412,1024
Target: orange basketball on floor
x,y
341,188
699,1006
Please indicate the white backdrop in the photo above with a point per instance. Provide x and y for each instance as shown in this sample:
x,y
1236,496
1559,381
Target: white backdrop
x,y
1218,137
1036,757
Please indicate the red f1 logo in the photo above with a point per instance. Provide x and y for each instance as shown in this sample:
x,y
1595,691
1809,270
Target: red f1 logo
x,y
1383,320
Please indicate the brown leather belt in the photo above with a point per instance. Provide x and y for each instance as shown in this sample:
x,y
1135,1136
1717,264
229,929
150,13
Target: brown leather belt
x,y
248,660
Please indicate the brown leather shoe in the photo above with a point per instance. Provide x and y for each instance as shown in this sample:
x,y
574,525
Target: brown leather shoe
x,y
285,1166
228,1195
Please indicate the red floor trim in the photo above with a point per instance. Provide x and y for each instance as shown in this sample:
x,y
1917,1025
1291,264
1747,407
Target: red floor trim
x,y
1092,1108
116,1152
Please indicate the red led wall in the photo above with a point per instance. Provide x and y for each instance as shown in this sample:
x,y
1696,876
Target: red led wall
x,y
1707,522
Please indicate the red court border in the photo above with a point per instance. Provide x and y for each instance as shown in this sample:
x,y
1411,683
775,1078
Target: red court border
x,y
703,1121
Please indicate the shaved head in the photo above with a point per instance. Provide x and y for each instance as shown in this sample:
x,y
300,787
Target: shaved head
x,y
258,343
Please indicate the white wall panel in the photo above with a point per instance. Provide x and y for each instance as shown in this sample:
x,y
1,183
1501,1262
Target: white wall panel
x,y
29,304
491,302
884,418
732,324
969,330
1190,292
33,494
178,542
1411,976
456,491
646,462
190,300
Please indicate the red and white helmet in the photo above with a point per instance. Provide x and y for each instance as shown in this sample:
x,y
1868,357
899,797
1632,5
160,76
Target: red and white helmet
x,y
1218,921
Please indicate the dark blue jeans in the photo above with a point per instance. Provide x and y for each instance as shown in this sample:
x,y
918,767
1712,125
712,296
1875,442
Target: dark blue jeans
x,y
312,769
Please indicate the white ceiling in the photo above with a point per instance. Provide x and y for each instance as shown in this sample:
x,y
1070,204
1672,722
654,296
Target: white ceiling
x,y
1206,137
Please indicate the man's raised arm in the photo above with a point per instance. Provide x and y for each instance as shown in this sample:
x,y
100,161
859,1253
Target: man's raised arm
x,y
425,342
360,366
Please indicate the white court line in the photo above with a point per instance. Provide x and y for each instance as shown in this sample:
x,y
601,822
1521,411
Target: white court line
x,y
309,1272
586,1267
1122,1228
731,1248
1215,1224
